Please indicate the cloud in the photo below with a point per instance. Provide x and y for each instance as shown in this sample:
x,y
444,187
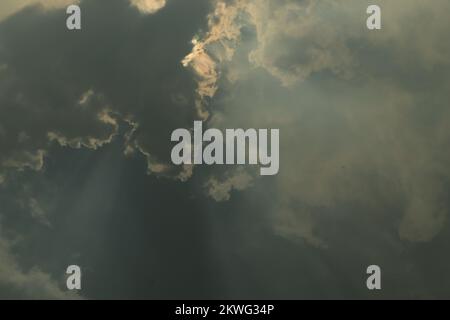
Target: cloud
x,y
216,47
148,6
10,7
220,190
85,91
80,102
295,41
76,123
30,284
363,119
362,115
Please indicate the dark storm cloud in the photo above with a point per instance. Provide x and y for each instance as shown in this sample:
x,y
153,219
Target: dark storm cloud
x,y
71,85
73,88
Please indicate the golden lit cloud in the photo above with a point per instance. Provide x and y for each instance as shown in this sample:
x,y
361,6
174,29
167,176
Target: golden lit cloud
x,y
9,7
148,6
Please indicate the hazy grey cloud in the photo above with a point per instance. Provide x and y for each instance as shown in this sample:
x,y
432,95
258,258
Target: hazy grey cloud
x,y
351,115
9,7
30,284
220,190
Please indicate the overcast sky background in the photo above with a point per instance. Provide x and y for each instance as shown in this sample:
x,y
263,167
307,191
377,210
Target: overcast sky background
x,y
85,171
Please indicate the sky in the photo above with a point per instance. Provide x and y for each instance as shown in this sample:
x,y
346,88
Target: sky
x,y
86,176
